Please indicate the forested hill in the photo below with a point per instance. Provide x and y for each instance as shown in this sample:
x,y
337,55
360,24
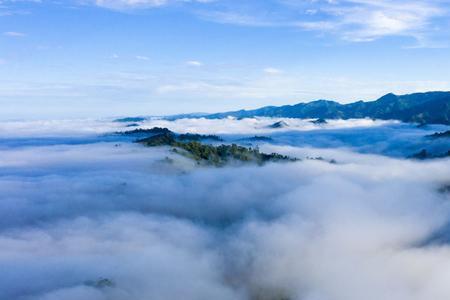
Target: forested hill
x,y
422,108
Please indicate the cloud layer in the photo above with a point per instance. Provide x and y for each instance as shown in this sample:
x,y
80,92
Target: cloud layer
x,y
73,214
390,138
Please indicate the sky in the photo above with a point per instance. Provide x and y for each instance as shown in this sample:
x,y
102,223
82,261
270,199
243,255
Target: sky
x,y
87,58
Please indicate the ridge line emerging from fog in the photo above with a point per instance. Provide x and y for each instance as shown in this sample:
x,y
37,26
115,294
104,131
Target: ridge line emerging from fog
x,y
422,108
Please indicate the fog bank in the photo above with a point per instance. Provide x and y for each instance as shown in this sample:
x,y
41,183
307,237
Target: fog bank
x,y
73,214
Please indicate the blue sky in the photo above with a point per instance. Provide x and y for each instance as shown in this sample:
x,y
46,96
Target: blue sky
x,y
90,58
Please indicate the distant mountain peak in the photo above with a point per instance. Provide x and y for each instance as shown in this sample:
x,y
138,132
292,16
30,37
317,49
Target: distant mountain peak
x,y
390,97
321,101
423,108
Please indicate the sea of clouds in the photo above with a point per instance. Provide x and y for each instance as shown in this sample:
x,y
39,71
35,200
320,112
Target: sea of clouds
x,y
78,205
390,138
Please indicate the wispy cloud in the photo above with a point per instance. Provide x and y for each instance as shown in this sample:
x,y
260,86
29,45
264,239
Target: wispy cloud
x,y
139,4
350,20
117,4
7,7
141,57
14,34
275,84
272,71
237,18
194,63
367,20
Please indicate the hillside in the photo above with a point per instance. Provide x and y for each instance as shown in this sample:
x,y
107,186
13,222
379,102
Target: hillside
x,y
207,154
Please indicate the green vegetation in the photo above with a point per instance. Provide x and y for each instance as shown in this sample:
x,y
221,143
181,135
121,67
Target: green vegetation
x,y
180,137
140,131
162,139
213,155
257,138
198,137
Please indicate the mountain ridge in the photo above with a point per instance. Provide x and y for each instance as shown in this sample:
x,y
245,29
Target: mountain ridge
x,y
422,108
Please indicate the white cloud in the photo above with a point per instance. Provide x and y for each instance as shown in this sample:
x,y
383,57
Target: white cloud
x,y
141,57
14,34
7,7
130,3
140,4
272,71
236,18
369,20
351,20
194,63
283,88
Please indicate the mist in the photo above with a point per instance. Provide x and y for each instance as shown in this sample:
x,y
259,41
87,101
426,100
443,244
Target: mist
x,y
79,204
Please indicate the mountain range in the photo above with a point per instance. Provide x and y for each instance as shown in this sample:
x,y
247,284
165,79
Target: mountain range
x,y
422,108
